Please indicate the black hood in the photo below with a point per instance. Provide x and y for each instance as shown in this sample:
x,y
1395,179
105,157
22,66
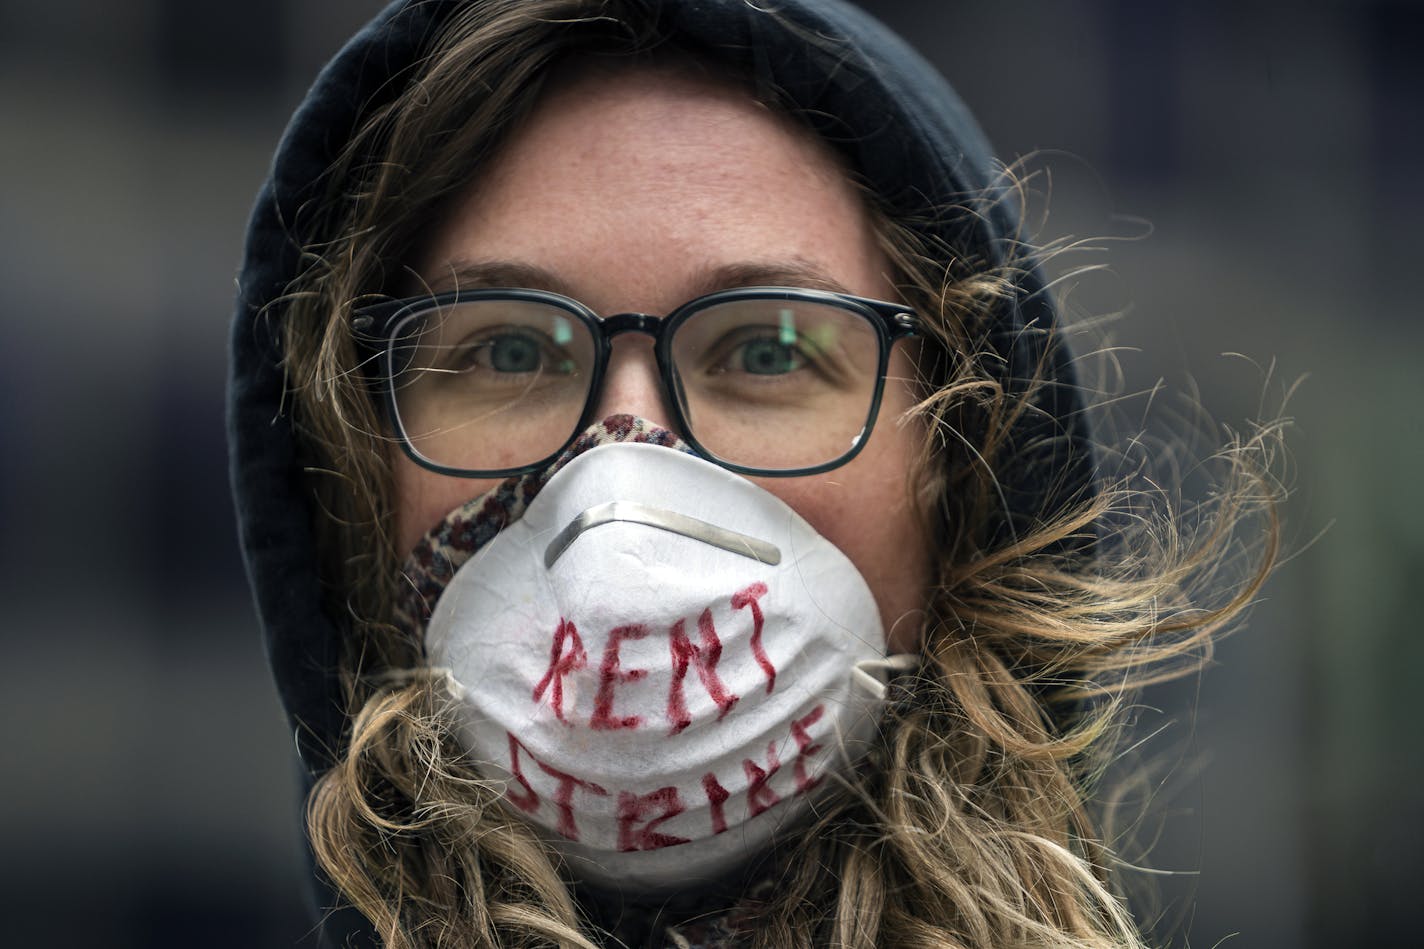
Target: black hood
x,y
891,115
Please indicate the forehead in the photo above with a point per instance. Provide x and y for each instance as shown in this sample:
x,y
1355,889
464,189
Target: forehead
x,y
637,178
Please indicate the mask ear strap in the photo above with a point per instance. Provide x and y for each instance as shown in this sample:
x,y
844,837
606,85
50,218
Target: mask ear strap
x,y
872,676
443,675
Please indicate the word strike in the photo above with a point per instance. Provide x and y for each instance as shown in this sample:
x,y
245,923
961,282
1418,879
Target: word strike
x,y
641,816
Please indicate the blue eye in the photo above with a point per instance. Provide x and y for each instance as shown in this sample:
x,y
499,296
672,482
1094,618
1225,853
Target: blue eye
x,y
513,352
769,356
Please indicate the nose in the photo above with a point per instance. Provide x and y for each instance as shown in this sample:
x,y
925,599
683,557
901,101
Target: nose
x,y
632,384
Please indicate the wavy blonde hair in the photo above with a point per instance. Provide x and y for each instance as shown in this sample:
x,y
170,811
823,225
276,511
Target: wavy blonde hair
x,y
972,827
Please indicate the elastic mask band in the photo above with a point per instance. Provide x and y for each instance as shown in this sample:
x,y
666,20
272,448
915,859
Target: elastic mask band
x,y
874,675
441,674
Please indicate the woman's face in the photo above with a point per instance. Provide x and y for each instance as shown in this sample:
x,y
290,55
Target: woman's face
x,y
638,190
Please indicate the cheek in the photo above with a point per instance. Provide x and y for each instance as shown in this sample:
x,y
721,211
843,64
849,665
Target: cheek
x,y
865,509
423,498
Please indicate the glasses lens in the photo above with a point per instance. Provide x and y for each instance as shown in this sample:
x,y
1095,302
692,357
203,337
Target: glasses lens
x,y
490,384
777,384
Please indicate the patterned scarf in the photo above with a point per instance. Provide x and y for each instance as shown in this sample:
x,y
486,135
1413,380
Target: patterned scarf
x,y
446,548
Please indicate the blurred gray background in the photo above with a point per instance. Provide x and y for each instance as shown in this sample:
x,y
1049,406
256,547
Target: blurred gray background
x,y
1272,146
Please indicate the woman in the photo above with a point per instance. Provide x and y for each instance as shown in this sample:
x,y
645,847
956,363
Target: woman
x,y
770,618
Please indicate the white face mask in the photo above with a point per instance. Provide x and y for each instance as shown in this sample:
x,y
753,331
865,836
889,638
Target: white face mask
x,y
662,660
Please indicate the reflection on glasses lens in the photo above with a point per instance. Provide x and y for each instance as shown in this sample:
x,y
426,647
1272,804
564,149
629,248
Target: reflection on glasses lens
x,y
491,384
776,384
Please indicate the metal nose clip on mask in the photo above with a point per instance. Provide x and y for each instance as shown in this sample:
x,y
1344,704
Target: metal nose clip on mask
x,y
662,661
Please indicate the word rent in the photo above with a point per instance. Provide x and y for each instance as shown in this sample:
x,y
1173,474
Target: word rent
x,y
567,656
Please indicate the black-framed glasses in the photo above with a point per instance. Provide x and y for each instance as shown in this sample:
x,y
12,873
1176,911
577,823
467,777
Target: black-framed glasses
x,y
760,380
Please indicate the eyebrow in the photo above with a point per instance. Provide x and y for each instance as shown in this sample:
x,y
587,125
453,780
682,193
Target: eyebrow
x,y
460,274
793,272
478,274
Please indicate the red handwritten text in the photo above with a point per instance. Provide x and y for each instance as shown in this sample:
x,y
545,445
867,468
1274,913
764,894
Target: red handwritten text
x,y
633,808
640,816
705,658
528,801
748,598
609,674
567,656
562,661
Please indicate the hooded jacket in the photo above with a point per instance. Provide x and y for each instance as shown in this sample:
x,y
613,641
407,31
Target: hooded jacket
x,y
893,118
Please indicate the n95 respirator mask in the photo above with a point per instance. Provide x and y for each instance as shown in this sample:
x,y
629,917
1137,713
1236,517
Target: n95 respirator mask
x,y
662,662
